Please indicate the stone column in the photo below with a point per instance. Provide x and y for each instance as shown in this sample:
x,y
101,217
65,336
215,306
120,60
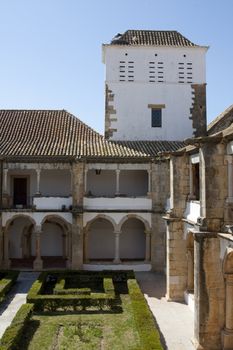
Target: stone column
x,y
149,182
6,261
117,248
5,194
117,182
77,242
227,334
5,173
38,262
68,249
71,181
148,246
190,263
1,247
86,249
85,181
230,178
38,173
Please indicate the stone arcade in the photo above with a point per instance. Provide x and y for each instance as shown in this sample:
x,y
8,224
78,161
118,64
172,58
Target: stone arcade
x,y
141,198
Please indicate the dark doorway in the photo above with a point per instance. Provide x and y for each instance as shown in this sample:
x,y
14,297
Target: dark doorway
x,y
20,191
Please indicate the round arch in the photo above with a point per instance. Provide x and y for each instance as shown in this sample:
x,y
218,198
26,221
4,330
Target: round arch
x,y
134,216
100,239
100,216
16,216
18,239
133,239
58,220
55,240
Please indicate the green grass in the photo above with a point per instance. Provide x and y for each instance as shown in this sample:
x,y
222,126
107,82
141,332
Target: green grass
x,y
77,331
113,317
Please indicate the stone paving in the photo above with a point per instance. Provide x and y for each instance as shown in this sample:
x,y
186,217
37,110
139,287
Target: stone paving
x,y
175,320
15,299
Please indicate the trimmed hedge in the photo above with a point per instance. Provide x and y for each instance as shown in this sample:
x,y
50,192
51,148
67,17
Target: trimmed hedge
x,y
148,333
7,281
72,299
12,335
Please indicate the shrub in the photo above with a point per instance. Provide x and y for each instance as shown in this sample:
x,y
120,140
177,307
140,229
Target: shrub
x,y
8,278
73,298
149,335
11,338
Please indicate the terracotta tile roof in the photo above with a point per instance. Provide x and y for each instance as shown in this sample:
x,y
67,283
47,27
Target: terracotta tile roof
x,y
221,122
152,37
57,133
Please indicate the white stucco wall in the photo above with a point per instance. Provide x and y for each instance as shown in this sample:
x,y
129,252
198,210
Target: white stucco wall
x,y
103,184
52,203
134,183
131,99
192,211
116,217
51,240
120,203
132,240
53,182
101,240
15,238
38,217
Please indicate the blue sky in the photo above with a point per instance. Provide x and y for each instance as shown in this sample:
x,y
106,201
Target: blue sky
x,y
50,50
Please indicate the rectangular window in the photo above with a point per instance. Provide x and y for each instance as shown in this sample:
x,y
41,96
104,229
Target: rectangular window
x,y
156,117
196,181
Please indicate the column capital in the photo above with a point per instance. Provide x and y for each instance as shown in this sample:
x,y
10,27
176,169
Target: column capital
x,y
148,232
38,229
229,278
117,232
229,158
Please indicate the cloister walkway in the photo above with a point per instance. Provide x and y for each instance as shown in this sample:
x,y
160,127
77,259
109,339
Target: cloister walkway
x,y
15,299
175,320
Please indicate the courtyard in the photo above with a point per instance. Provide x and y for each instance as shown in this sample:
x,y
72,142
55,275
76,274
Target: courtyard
x,y
113,321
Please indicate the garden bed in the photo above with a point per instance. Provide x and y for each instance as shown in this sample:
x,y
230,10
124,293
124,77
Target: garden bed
x,y
87,310
7,280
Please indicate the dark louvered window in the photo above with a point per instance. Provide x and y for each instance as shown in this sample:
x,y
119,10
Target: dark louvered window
x,y
156,117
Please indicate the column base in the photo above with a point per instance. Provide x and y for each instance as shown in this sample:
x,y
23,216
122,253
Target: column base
x,y
117,261
6,264
227,339
38,264
68,264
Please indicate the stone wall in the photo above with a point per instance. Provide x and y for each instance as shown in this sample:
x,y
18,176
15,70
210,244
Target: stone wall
x,y
213,184
159,195
176,243
209,291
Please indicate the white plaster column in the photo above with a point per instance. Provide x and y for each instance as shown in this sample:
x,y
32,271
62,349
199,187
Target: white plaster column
x,y
230,178
149,181
117,259
148,246
117,182
38,176
5,175
38,262
228,330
